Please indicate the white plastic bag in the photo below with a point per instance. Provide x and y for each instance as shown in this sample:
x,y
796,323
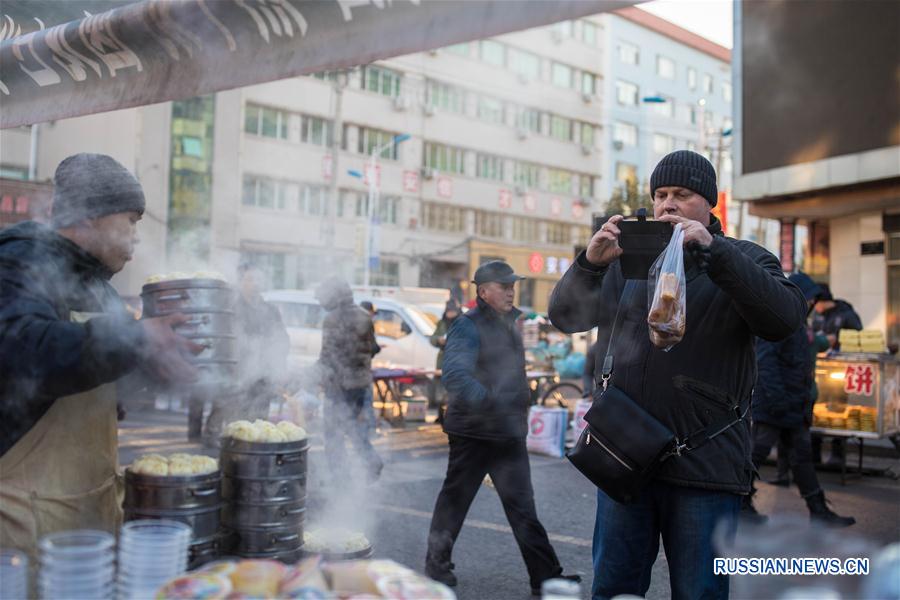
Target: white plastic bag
x,y
547,431
581,408
666,286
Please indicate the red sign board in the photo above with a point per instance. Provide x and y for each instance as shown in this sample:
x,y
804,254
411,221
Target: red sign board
x,y
577,210
787,246
859,379
445,187
530,203
410,181
327,167
505,199
555,207
535,262
720,210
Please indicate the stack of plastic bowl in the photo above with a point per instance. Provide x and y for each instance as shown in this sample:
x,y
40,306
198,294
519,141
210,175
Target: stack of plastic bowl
x,y
13,575
77,565
151,551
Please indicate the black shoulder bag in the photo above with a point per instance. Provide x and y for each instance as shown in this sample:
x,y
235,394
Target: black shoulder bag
x,y
623,446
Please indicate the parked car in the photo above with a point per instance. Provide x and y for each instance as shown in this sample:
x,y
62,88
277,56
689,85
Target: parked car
x,y
402,329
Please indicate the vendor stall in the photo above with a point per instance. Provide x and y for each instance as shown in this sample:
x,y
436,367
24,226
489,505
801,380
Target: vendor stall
x,y
859,397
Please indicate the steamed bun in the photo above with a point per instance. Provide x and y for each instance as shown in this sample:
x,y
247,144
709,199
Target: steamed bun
x,y
268,432
242,430
180,466
204,464
151,465
292,432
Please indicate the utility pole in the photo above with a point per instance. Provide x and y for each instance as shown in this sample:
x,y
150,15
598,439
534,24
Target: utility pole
x,y
337,86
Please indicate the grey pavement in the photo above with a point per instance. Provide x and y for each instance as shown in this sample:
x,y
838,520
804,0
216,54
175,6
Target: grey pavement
x,y
397,509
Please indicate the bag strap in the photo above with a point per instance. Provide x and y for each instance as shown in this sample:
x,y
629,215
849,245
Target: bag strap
x,y
607,369
701,437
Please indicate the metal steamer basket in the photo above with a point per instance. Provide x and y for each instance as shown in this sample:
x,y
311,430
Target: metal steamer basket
x,y
189,296
265,489
366,552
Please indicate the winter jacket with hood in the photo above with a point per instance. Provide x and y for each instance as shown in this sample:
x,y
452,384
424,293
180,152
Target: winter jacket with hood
x,y
783,393
736,291
348,339
44,355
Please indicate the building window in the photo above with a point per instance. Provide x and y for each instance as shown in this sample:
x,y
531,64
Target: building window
x,y
565,28
692,78
692,146
444,158
587,135
267,122
726,91
583,236
665,67
625,172
559,181
666,108
446,97
561,128
489,167
488,224
626,133
331,76
388,207
12,172
588,83
589,33
525,230
558,233
493,53
525,63
381,81
663,144
443,217
370,139
585,186
314,130
628,54
529,119
264,192
313,200
707,83
460,49
561,75
387,273
626,93
527,175
271,264
490,110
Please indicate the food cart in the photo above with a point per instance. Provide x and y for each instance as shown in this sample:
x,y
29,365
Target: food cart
x,y
859,398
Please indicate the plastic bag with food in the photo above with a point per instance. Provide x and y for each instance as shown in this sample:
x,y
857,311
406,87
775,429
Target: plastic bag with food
x,y
666,286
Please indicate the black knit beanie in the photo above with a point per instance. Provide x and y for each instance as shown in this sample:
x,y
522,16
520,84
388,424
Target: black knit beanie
x,y
88,186
686,169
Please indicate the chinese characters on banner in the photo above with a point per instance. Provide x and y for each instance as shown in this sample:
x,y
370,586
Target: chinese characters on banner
x,y
444,187
505,199
555,207
327,167
530,203
577,210
551,265
859,379
410,182
536,262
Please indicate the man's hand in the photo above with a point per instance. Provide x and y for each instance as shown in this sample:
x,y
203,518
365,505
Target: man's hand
x,y
604,248
165,350
694,231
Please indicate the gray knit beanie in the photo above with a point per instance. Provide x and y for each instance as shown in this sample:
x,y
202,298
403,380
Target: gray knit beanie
x,y
686,169
93,185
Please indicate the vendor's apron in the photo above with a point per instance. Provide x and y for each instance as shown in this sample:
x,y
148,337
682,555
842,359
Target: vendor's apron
x,y
62,474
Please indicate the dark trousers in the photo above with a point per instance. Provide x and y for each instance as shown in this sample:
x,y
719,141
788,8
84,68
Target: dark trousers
x,y
797,441
507,464
342,419
626,541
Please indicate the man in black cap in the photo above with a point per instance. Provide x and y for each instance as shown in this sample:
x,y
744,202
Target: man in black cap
x,y
487,423
735,292
65,337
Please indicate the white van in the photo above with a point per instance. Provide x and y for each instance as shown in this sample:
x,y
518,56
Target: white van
x,y
402,329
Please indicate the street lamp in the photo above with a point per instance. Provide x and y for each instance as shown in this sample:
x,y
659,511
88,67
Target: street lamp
x,y
373,200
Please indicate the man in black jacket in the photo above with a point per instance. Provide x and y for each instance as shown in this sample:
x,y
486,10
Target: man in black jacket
x,y
736,291
65,336
487,423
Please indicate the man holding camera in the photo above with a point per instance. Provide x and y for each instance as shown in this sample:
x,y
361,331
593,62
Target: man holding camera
x,y
736,290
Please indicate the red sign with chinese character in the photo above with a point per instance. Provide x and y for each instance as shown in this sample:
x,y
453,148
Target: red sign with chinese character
x,y
505,199
536,262
555,207
577,210
410,181
859,379
327,167
530,203
445,187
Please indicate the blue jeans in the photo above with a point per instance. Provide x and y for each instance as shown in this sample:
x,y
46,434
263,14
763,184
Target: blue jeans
x,y
626,541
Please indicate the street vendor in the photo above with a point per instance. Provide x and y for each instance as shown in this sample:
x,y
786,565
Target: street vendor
x,y
65,338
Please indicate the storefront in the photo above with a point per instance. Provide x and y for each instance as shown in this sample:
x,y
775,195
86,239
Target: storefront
x,y
24,200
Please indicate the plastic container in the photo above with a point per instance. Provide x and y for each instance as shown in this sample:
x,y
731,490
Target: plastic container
x,y
77,564
151,552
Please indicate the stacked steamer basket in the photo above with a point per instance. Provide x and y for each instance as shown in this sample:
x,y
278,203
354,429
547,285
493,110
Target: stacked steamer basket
x,y
209,305
264,488
195,500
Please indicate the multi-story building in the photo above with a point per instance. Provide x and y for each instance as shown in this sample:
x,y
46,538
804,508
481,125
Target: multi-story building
x,y
503,160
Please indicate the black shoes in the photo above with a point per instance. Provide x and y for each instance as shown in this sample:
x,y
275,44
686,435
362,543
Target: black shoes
x,y
574,577
442,572
820,513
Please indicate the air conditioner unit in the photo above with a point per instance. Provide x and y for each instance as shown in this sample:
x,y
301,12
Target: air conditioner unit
x,y
587,98
556,35
401,103
587,150
429,110
523,78
520,190
522,133
427,172
618,144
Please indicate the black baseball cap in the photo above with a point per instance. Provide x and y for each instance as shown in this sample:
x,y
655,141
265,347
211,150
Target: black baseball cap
x,y
495,270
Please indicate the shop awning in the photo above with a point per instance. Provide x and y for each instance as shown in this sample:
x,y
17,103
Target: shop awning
x,y
160,50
